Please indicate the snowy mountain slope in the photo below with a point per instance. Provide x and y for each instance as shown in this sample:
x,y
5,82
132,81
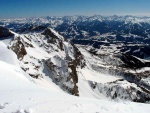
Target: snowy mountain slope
x,y
48,58
55,62
6,52
51,60
19,94
108,81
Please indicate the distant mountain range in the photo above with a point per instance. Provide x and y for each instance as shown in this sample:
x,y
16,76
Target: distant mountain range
x,y
133,32
111,28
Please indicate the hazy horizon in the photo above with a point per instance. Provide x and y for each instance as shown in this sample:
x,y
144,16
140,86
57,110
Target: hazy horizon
x,y
138,16
41,8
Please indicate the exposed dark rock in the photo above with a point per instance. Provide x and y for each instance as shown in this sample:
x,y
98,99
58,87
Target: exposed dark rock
x,y
52,38
93,51
61,45
48,32
28,44
79,58
4,32
68,63
133,62
61,79
58,77
19,48
74,76
115,91
143,74
34,76
78,61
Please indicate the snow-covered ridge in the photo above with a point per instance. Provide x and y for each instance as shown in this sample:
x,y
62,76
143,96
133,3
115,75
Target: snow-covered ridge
x,y
47,56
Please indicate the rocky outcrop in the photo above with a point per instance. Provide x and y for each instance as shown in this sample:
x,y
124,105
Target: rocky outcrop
x,y
64,72
60,74
116,90
64,69
18,47
134,62
78,61
48,32
4,32
53,38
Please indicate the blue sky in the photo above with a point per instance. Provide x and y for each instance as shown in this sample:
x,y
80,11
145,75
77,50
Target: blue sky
x,y
33,8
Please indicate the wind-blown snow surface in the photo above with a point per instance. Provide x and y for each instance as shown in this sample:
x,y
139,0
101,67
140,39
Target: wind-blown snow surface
x,y
19,94
6,52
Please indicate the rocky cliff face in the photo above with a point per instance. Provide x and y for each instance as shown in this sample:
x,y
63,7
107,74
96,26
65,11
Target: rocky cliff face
x,y
18,47
48,54
64,69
